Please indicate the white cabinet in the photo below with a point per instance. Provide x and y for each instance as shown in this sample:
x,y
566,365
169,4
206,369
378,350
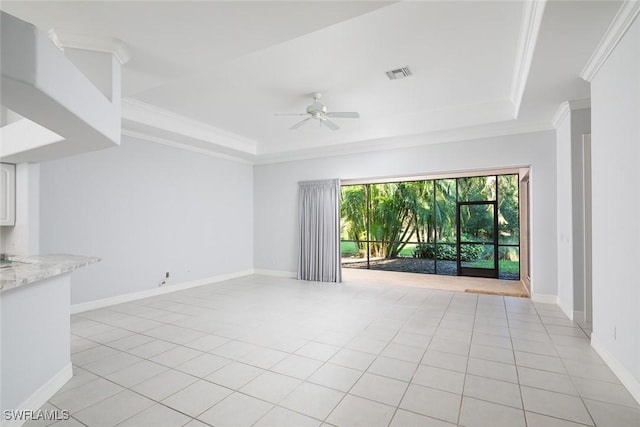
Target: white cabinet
x,y
7,194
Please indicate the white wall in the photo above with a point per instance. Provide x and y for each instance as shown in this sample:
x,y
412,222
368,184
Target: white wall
x,y
146,209
275,188
564,216
615,119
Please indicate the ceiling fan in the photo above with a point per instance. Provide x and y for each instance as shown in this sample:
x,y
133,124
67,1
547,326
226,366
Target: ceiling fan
x,y
317,110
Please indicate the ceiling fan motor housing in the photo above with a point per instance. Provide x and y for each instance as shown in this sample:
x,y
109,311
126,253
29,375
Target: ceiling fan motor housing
x,y
316,109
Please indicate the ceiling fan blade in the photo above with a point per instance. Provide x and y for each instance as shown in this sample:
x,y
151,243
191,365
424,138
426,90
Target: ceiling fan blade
x,y
297,125
345,115
328,123
290,114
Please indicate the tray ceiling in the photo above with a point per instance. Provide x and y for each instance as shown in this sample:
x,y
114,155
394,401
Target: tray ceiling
x,y
225,68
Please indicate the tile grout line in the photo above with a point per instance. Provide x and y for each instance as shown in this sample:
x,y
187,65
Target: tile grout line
x,y
544,325
464,381
361,375
365,300
515,365
444,312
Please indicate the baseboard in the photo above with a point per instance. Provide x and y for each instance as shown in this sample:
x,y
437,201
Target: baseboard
x,y
526,287
544,298
568,311
41,395
623,374
578,316
276,273
133,296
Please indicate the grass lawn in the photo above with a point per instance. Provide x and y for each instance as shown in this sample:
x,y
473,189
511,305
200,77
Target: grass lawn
x,y
505,266
407,250
350,248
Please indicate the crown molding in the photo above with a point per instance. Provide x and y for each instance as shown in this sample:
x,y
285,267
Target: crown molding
x,y
566,107
148,123
110,45
384,144
409,141
580,104
531,22
170,143
141,113
561,113
623,20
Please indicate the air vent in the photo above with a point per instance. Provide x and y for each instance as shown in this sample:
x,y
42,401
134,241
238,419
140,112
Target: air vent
x,y
400,73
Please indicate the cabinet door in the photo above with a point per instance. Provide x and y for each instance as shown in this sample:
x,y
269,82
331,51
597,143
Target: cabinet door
x,y
7,194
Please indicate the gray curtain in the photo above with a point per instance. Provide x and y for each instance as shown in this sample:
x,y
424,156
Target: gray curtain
x,y
319,231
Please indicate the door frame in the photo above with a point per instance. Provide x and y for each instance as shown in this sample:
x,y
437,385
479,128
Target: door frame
x,y
587,229
525,228
474,271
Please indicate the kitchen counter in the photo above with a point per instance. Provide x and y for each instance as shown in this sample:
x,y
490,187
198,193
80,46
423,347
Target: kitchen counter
x,y
28,269
35,330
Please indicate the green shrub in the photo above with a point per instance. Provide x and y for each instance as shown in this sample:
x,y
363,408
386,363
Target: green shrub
x,y
447,252
470,252
423,250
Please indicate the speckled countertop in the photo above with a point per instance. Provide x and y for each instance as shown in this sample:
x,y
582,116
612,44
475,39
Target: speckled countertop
x,y
29,269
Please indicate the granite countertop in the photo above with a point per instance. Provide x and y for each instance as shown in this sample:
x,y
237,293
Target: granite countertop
x,y
28,269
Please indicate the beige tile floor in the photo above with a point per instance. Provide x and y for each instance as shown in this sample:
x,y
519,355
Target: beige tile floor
x,y
263,351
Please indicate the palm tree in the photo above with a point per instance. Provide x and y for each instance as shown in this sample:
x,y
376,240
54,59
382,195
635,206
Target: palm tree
x,y
445,213
353,213
397,211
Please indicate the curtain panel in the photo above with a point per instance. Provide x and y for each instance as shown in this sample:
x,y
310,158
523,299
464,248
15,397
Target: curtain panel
x,y
319,231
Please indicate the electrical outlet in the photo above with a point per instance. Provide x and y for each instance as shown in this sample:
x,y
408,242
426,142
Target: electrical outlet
x,y
164,281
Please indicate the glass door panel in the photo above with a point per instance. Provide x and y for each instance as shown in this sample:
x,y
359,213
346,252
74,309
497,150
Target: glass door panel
x,y
509,262
444,207
477,244
477,223
508,210
477,255
477,188
446,256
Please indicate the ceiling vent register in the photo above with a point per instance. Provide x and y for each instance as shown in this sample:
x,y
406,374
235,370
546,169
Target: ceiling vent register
x,y
399,73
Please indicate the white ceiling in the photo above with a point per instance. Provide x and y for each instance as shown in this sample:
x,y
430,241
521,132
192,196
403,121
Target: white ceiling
x,y
225,68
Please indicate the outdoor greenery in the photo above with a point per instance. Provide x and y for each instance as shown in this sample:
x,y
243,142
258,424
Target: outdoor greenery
x,y
399,213
508,210
348,248
448,252
504,266
351,249
407,218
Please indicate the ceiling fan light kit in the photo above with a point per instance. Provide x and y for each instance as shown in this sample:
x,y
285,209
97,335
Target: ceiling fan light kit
x,y
317,110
